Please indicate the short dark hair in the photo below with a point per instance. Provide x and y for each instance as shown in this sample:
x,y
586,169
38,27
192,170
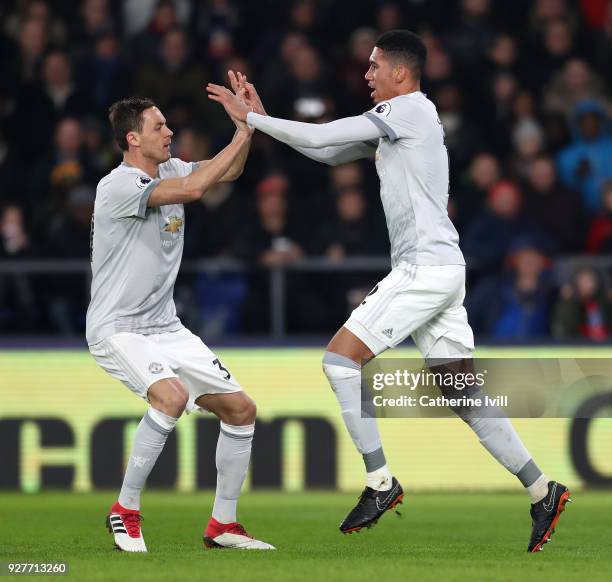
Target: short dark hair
x,y
406,47
126,116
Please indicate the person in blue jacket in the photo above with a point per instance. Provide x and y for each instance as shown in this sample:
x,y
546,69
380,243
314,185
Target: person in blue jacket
x,y
587,163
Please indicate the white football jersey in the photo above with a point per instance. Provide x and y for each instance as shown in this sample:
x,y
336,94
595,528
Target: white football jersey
x,y
136,252
412,164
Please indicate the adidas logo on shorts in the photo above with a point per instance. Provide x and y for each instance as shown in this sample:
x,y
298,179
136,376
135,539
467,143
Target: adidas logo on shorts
x,y
388,332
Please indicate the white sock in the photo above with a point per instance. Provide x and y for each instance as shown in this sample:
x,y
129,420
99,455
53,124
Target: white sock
x,y
379,479
233,455
500,438
149,441
344,376
538,489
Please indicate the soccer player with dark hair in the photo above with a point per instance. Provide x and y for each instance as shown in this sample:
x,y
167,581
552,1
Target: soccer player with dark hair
x,y
423,294
133,330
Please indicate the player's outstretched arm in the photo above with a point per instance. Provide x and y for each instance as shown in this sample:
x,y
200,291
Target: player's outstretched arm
x,y
341,154
192,187
296,133
331,155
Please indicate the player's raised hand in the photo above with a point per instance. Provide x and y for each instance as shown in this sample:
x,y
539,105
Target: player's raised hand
x,y
246,89
239,92
234,107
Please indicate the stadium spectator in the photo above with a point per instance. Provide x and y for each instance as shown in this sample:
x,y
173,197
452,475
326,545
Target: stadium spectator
x,y
516,304
307,92
67,236
585,164
345,176
558,48
276,73
275,239
488,237
67,232
463,138
220,49
439,68
351,231
474,33
599,240
100,153
40,106
24,64
389,16
176,83
556,131
306,17
502,55
545,11
219,15
145,44
65,166
574,83
214,222
500,93
18,305
584,309
14,238
355,94
555,211
94,20
602,37
105,71
528,140
471,188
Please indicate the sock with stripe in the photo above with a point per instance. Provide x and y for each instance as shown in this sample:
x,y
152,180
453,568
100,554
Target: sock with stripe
x,y
344,376
233,456
149,441
498,436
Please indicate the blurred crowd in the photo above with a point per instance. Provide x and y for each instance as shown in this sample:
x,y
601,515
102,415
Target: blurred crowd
x,y
523,92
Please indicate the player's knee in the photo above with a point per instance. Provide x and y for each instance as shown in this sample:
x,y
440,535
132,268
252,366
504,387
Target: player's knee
x,y
338,367
170,397
250,412
177,401
243,413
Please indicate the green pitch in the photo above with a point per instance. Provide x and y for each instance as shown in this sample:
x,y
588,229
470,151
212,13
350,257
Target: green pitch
x,y
439,537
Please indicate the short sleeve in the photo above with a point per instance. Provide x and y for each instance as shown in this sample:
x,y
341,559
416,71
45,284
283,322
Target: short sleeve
x,y
396,118
129,193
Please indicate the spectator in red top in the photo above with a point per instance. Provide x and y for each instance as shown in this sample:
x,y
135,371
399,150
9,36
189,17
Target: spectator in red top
x,y
599,240
584,309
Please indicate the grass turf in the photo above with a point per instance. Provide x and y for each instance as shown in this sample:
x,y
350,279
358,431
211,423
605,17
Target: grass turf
x,y
439,537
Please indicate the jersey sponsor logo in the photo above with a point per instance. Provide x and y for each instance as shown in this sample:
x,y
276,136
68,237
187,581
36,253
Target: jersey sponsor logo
x,y
388,332
156,368
143,181
383,109
174,224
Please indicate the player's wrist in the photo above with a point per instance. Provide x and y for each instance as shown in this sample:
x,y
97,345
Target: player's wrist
x,y
243,134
